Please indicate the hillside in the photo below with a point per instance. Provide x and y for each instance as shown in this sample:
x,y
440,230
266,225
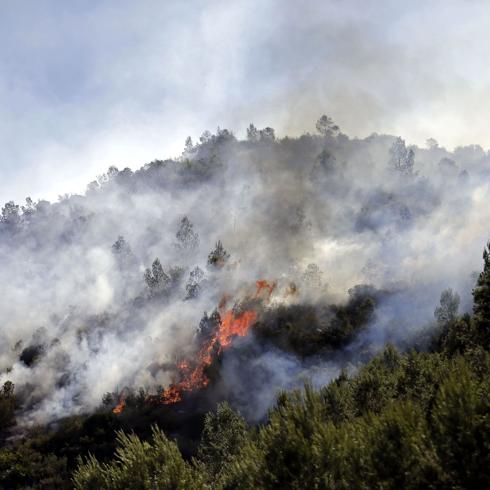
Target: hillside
x,y
293,312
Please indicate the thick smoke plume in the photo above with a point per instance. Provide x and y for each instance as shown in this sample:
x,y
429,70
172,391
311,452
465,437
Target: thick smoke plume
x,y
87,309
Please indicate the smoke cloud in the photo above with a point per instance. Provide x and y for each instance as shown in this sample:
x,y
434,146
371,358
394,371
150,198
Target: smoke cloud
x,y
80,316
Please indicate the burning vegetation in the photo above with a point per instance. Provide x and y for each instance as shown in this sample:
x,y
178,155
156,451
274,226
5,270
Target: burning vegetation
x,y
193,375
216,334
347,309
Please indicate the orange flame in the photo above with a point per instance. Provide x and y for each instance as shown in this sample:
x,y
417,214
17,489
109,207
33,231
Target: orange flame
x,y
121,405
192,372
263,285
194,378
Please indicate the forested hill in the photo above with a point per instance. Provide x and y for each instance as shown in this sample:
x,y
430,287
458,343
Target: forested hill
x,y
245,268
402,420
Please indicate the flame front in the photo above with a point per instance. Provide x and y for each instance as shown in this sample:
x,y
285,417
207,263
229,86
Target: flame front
x,y
192,372
121,405
195,378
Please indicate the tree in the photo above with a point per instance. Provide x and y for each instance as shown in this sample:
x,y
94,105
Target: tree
x,y
326,161
448,167
394,449
481,297
193,286
30,208
205,137
223,436
157,464
8,404
125,258
447,311
461,426
267,134
218,256
187,238
326,127
93,187
223,135
156,279
22,466
121,247
189,147
10,214
112,172
432,144
252,133
312,276
401,158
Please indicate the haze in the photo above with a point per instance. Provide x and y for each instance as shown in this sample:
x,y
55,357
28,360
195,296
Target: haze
x,y
85,85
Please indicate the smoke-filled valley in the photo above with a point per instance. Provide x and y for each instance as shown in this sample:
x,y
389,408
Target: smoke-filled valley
x,y
243,268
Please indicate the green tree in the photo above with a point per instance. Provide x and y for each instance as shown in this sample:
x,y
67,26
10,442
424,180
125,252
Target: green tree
x,y
481,296
447,311
24,468
223,436
138,465
392,450
8,404
461,426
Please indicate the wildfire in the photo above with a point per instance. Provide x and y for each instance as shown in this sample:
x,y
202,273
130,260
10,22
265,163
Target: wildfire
x,y
192,372
263,285
231,324
121,405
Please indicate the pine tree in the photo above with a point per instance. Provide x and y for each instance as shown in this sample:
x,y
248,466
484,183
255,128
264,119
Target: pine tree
x,y
187,238
156,278
481,296
401,158
447,311
193,286
121,249
218,256
223,436
155,464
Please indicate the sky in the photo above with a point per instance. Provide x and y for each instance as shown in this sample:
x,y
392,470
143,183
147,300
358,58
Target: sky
x,y
89,84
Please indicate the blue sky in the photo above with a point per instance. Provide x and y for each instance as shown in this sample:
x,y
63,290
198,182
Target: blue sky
x,y
89,84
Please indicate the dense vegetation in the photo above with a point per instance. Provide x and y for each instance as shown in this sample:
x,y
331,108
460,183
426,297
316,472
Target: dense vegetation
x,y
402,420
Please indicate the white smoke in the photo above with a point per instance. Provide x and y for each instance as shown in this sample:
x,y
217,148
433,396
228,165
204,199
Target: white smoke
x,y
283,209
